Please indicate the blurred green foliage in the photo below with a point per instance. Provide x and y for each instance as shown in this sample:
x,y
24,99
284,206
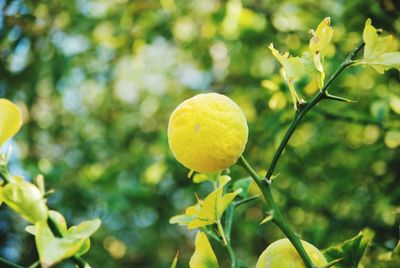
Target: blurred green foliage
x,y
97,81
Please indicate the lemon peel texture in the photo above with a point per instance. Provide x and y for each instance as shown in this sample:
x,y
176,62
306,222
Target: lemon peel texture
x,y
207,132
282,254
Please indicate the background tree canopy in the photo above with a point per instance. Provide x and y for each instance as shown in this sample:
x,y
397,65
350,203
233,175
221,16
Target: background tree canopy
x,y
97,81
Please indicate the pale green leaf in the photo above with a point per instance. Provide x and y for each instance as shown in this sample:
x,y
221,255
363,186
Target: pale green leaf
x,y
75,241
31,229
85,229
321,38
215,203
375,50
181,219
308,61
383,62
374,44
226,200
59,219
10,120
52,249
25,199
293,66
203,256
85,247
209,210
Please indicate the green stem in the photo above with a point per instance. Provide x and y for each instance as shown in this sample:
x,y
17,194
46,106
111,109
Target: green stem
x,y
278,218
226,241
35,264
9,264
229,220
306,107
247,200
232,255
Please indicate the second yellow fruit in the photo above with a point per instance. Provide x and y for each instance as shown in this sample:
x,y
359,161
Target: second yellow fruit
x,y
282,254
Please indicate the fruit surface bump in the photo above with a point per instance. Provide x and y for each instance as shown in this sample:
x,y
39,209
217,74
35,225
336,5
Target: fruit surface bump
x,y
282,254
207,132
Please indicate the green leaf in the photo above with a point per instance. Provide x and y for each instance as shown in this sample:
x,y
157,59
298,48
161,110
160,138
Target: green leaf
x,y
383,62
182,219
321,38
59,219
75,241
293,66
318,46
10,120
243,184
203,256
209,210
25,199
375,50
351,250
85,229
52,249
31,229
374,44
85,248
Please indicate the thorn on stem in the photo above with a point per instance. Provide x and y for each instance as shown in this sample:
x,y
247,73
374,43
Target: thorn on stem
x,y
337,98
268,218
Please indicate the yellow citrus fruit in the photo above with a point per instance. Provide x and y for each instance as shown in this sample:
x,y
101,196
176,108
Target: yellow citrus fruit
x,y
207,132
282,254
10,120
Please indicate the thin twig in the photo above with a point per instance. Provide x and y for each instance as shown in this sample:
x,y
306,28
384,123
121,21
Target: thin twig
x,y
228,228
8,264
306,107
244,201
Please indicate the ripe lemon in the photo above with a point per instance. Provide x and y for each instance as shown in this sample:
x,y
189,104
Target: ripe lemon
x,y
207,132
10,120
282,254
